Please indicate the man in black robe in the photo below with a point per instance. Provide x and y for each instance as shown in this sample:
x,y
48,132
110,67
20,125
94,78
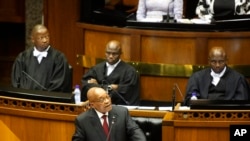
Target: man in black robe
x,y
117,77
218,82
41,67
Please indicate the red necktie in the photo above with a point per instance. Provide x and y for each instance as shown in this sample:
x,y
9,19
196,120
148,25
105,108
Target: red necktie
x,y
105,125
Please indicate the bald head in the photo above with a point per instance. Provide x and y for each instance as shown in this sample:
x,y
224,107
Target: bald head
x,y
217,59
113,51
94,92
38,28
114,45
217,51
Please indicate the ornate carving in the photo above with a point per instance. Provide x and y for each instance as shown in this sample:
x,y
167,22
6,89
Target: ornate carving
x,y
217,115
54,107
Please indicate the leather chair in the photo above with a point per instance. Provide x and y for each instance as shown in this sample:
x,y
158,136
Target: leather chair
x,y
152,127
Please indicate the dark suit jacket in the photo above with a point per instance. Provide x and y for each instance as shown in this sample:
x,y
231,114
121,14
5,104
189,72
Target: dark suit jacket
x,y
237,88
89,128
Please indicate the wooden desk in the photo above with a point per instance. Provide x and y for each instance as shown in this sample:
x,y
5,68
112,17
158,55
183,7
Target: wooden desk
x,y
6,134
205,125
32,120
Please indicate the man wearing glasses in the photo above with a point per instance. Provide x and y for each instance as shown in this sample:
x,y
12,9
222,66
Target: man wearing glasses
x,y
218,82
104,121
117,77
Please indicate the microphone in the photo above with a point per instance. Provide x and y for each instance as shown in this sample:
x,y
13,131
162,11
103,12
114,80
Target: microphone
x,y
167,17
122,98
111,126
178,88
32,79
108,88
173,98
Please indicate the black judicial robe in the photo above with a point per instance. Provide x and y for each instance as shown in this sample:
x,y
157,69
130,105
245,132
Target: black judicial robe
x,y
124,75
236,86
52,73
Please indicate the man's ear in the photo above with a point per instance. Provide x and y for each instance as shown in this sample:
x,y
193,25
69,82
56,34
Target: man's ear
x,y
91,105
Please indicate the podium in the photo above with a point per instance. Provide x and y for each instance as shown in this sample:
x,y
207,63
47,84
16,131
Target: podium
x,y
205,125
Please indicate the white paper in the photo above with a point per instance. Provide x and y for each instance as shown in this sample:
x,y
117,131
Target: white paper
x,y
146,108
165,108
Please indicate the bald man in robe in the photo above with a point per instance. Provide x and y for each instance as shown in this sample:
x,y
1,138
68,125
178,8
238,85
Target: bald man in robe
x,y
218,82
41,67
119,78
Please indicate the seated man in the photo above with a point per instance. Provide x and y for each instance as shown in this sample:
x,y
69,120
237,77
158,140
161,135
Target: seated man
x,y
218,82
41,67
118,77
105,122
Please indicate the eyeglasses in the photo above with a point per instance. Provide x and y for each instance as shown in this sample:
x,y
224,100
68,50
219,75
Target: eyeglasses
x,y
102,99
220,62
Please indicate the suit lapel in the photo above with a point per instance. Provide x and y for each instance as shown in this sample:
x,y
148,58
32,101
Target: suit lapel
x,y
112,124
96,125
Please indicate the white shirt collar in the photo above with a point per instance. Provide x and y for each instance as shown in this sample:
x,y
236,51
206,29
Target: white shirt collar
x,y
38,53
218,74
114,65
101,114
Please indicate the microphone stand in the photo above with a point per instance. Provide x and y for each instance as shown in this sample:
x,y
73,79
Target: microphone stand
x,y
27,75
173,98
109,89
178,88
167,17
112,123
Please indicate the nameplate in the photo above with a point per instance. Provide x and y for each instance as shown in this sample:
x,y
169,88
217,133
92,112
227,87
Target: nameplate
x,y
239,132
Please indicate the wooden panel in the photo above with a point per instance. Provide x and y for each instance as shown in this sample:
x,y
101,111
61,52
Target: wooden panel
x,y
196,125
97,48
6,133
61,18
39,129
168,50
204,134
161,88
12,11
237,49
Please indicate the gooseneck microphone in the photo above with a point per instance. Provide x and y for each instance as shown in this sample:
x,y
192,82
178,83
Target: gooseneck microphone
x,y
106,86
168,16
173,98
111,126
32,79
178,88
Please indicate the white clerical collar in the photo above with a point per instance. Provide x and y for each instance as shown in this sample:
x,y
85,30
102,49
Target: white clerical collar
x,y
110,68
114,65
217,76
43,53
40,54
